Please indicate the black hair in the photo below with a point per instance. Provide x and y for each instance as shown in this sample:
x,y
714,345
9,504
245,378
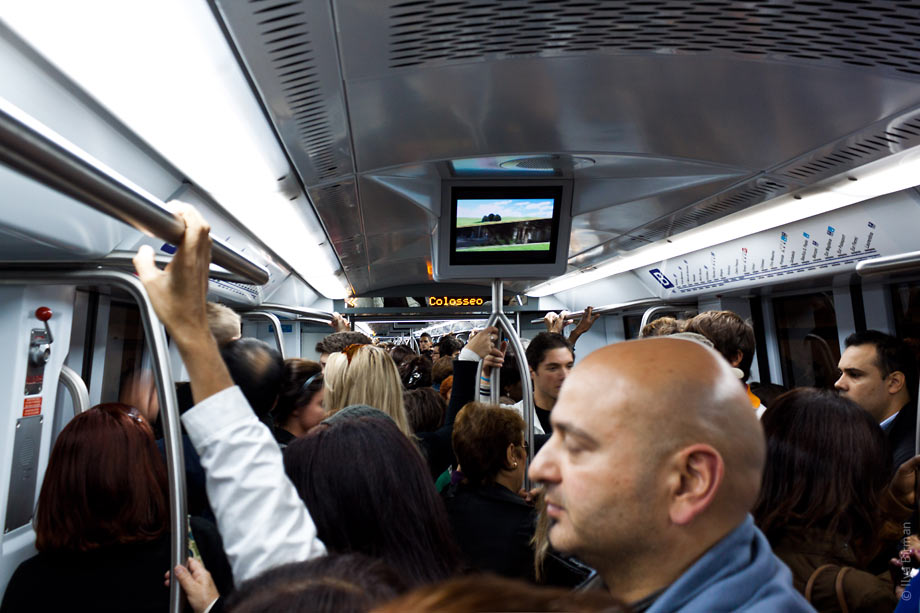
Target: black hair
x,y
401,353
827,466
256,367
415,372
300,381
542,343
369,491
350,583
891,355
425,409
449,345
424,335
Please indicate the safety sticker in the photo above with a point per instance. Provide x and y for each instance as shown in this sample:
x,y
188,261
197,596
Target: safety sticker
x,y
32,406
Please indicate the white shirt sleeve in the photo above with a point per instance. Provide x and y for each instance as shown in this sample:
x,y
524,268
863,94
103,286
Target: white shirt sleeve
x,y
262,520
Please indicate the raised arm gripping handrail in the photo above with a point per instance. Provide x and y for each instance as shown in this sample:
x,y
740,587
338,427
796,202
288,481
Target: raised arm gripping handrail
x,y
169,407
609,309
39,153
77,388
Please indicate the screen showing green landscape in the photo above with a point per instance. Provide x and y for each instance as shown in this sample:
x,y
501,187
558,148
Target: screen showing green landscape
x,y
503,225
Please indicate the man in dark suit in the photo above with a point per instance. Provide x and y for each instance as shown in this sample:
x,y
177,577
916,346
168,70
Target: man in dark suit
x,y
879,373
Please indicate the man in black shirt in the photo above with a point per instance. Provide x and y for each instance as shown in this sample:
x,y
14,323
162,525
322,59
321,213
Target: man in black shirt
x,y
550,357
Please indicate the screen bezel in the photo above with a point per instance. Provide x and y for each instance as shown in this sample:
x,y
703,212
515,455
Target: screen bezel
x,y
497,258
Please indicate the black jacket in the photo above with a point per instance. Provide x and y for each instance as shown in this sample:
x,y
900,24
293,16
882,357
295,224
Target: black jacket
x,y
493,527
901,435
436,445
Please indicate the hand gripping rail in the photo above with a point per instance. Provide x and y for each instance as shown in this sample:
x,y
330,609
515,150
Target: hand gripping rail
x,y
39,153
499,317
610,309
169,408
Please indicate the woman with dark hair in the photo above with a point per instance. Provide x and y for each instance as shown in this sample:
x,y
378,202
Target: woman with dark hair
x,y
401,353
368,491
425,409
415,372
825,498
102,514
491,522
300,401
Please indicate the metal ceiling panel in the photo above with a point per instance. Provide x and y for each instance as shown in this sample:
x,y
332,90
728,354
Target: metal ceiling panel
x,y
685,110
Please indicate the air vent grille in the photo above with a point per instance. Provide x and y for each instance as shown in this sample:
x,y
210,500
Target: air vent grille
x,y
284,33
860,150
702,213
879,35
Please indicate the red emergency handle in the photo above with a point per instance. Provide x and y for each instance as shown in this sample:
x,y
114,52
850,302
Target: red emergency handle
x,y
43,313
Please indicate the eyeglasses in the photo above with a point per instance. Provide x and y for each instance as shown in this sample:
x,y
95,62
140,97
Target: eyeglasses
x,y
351,350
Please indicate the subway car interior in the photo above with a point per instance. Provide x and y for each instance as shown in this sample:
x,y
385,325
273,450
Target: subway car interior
x,y
438,166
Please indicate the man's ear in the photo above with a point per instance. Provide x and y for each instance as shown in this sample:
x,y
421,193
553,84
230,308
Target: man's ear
x,y
697,474
737,359
896,382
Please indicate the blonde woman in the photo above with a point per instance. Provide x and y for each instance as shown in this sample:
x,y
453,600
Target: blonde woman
x,y
364,374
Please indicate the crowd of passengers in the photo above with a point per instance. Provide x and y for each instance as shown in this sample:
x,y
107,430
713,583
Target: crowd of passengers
x,y
380,479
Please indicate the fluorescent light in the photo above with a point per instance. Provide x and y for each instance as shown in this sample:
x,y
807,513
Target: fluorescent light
x,y
165,69
366,329
891,174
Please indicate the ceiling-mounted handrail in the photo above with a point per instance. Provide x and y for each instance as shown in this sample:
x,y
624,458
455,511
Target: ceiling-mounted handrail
x,y
37,152
276,323
902,262
169,406
122,260
297,310
312,320
77,388
621,306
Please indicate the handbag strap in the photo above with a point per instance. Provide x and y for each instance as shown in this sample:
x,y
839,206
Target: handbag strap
x,y
838,584
811,580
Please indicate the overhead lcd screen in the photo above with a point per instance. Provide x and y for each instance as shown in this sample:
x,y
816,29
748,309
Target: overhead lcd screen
x,y
504,226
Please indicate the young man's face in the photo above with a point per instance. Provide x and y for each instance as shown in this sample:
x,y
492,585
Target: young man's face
x,y
424,343
861,379
552,371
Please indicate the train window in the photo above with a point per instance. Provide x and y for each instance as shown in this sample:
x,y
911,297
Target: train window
x,y
632,325
906,300
806,330
125,353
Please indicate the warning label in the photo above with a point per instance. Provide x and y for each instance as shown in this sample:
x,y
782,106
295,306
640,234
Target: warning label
x,y
32,406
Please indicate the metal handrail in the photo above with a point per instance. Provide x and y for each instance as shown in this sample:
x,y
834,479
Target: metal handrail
x,y
31,148
297,310
77,388
498,316
169,406
312,320
616,307
902,262
273,319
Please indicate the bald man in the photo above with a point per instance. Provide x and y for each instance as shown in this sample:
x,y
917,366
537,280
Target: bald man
x,y
650,474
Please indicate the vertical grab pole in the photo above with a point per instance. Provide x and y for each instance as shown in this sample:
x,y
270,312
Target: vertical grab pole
x,y
497,300
498,316
276,324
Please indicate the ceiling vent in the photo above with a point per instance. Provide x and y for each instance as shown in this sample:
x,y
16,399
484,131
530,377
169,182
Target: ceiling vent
x,y
701,213
880,35
875,144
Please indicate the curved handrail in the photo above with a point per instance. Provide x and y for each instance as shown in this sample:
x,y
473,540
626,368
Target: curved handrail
x,y
169,406
276,323
31,148
297,310
77,388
